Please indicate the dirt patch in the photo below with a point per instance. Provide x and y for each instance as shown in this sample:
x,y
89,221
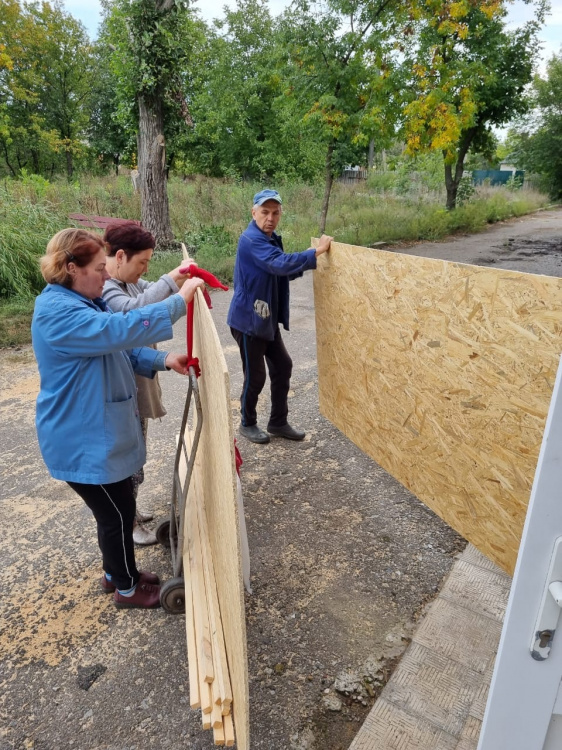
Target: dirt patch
x,y
517,251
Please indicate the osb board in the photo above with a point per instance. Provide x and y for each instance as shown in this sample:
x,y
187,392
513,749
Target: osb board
x,y
216,481
442,373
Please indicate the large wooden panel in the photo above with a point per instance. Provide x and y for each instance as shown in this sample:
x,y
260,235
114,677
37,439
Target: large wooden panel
x,y
215,480
442,373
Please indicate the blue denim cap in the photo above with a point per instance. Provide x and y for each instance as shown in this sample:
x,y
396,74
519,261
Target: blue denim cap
x,y
266,195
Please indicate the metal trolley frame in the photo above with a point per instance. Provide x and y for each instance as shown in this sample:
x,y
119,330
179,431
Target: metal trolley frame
x,y
171,532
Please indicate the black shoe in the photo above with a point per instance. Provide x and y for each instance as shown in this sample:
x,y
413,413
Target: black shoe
x,y
254,434
288,432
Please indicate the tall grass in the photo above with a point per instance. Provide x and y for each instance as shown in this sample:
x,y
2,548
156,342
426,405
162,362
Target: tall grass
x,y
25,229
209,215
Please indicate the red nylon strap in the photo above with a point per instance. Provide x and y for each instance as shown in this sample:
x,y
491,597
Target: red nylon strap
x,y
191,360
237,458
191,271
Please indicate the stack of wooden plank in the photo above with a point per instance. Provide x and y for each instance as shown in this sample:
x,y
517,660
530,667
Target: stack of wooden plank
x,y
213,483
209,677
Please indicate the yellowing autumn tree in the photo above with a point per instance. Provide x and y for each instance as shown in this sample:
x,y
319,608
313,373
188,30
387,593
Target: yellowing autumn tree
x,y
468,74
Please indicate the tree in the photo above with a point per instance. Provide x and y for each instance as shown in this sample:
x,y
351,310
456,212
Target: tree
x,y
44,87
338,60
468,74
537,145
152,42
111,131
244,123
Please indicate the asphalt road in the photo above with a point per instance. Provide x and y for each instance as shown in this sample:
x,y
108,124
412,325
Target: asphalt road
x,y
343,561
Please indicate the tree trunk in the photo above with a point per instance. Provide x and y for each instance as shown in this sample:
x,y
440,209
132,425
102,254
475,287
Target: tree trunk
x,y
371,157
328,188
6,159
69,165
452,181
155,210
452,186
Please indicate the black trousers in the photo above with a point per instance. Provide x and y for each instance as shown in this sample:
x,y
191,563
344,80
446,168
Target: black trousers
x,y
114,506
255,352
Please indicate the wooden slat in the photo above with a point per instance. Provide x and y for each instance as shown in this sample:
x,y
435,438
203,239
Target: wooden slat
x,y
194,696
206,720
206,697
216,716
218,734
442,373
220,662
228,731
200,606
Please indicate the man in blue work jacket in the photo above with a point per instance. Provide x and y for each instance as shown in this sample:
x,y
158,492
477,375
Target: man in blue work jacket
x,y
262,272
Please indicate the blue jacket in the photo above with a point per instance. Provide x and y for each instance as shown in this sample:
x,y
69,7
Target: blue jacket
x,y
262,272
87,415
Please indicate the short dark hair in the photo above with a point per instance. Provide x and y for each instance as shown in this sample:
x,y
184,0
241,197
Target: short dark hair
x,y
129,237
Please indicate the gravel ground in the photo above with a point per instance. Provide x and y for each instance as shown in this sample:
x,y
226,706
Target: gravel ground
x,y
344,560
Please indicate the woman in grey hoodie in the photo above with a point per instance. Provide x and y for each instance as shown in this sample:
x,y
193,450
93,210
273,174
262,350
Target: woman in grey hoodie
x,y
129,249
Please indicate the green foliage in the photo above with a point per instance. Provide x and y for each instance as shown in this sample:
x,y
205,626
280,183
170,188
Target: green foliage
x,y
465,191
162,262
514,183
44,87
537,143
149,47
111,128
468,74
39,185
213,247
409,175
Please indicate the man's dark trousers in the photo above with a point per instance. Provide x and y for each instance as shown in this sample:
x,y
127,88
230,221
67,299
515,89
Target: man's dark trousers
x,y
255,352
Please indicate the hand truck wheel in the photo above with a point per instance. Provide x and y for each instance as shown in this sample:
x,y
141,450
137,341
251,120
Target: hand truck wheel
x,y
172,596
163,534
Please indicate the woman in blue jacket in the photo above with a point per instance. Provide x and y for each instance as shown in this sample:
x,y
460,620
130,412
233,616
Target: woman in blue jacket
x,y
87,413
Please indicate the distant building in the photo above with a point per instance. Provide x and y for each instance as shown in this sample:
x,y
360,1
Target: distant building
x,y
497,176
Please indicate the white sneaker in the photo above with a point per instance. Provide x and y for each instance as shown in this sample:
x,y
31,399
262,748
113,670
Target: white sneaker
x,y
143,516
142,535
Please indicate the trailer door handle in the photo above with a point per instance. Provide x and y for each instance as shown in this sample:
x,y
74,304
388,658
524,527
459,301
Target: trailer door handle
x,y
551,604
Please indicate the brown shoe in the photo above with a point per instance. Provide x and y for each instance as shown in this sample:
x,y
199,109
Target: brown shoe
x,y
146,596
108,587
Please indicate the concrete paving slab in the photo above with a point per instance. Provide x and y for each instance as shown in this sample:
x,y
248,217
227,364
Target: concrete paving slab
x,y
436,697
480,590
391,728
460,634
434,687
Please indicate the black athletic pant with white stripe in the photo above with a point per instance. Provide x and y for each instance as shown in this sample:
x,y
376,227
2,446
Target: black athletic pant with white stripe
x,y
114,506
255,352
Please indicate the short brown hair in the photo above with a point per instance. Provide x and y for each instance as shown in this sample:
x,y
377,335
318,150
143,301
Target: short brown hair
x,y
69,245
129,237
